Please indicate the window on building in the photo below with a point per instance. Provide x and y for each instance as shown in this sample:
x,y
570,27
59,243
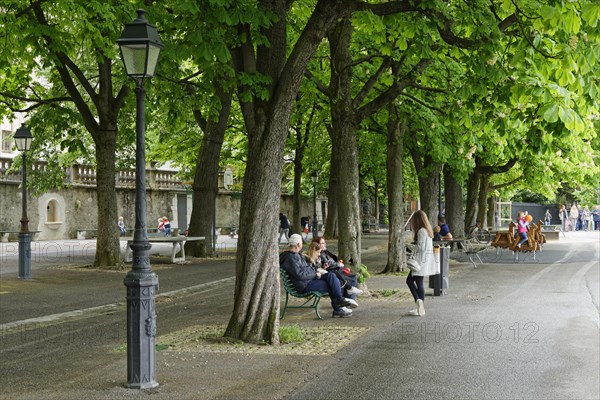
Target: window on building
x,y
7,141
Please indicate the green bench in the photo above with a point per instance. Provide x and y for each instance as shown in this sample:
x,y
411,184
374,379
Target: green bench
x,y
310,297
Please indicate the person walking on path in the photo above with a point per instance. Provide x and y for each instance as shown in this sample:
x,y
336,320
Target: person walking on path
x,y
422,251
284,227
585,218
596,218
574,217
547,218
563,216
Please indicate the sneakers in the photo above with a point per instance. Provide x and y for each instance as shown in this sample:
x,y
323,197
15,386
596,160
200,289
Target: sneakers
x,y
354,290
420,307
342,303
351,303
342,313
414,313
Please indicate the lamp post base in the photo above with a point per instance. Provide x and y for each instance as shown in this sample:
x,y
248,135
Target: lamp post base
x,y
24,255
141,329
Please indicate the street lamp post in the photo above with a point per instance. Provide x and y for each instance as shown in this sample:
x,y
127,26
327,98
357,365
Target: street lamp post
x,y
140,46
315,179
23,139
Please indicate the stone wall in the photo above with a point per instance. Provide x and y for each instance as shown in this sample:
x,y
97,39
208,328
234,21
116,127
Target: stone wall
x,y
59,213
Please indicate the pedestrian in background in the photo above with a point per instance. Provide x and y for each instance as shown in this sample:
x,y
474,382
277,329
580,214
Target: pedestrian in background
x,y
121,224
547,218
284,227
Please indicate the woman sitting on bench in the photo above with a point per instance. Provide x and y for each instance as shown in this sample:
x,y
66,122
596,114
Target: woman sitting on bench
x,y
331,262
306,279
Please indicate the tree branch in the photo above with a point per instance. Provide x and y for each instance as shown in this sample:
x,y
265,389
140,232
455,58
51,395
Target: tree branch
x,y
421,102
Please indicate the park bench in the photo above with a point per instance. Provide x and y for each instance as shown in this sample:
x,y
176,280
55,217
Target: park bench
x,y
5,235
176,241
82,233
310,297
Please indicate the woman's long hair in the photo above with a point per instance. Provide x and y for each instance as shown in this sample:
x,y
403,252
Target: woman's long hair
x,y
419,220
313,253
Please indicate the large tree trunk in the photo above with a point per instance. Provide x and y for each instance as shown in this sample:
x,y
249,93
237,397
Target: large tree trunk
x,y
206,179
455,215
429,182
302,135
395,151
107,244
255,316
345,143
484,184
331,226
491,213
471,206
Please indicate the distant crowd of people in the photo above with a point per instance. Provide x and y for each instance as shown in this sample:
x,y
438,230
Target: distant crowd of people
x,y
579,218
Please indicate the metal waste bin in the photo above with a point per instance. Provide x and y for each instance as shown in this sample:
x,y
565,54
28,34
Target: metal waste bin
x,y
439,282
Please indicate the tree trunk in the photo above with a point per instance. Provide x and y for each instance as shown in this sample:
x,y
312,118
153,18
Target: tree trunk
x,y
491,212
255,316
428,176
331,226
455,215
302,135
296,226
206,179
429,182
395,151
107,244
346,146
484,184
471,207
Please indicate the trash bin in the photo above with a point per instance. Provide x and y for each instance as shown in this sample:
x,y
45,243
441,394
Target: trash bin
x,y
439,283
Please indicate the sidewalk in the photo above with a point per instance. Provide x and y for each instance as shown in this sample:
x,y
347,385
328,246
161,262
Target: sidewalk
x,y
77,355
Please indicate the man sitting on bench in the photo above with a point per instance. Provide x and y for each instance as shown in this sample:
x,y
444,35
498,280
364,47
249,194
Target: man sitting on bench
x,y
306,279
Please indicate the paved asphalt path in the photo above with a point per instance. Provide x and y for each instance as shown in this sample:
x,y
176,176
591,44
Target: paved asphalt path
x,y
527,330
505,330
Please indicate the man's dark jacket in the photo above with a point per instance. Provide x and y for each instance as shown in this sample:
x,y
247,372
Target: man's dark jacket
x,y
297,268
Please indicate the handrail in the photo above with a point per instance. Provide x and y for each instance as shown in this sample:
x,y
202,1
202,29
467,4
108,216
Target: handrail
x,y
85,175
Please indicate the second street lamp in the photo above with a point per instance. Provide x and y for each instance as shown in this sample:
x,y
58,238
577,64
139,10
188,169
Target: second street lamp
x,y
23,139
315,179
140,46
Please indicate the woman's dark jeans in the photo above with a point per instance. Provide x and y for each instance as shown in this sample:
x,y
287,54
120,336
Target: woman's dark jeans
x,y
415,284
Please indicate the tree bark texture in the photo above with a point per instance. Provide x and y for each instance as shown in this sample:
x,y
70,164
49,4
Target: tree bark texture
x,y
206,179
107,244
302,135
255,316
491,212
331,226
472,205
395,152
428,175
484,185
346,146
455,215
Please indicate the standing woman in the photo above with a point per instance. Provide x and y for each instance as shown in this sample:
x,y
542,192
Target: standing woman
x,y
423,255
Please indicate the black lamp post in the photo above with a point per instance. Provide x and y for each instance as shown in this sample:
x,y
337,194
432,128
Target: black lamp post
x,y
315,179
23,139
140,46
